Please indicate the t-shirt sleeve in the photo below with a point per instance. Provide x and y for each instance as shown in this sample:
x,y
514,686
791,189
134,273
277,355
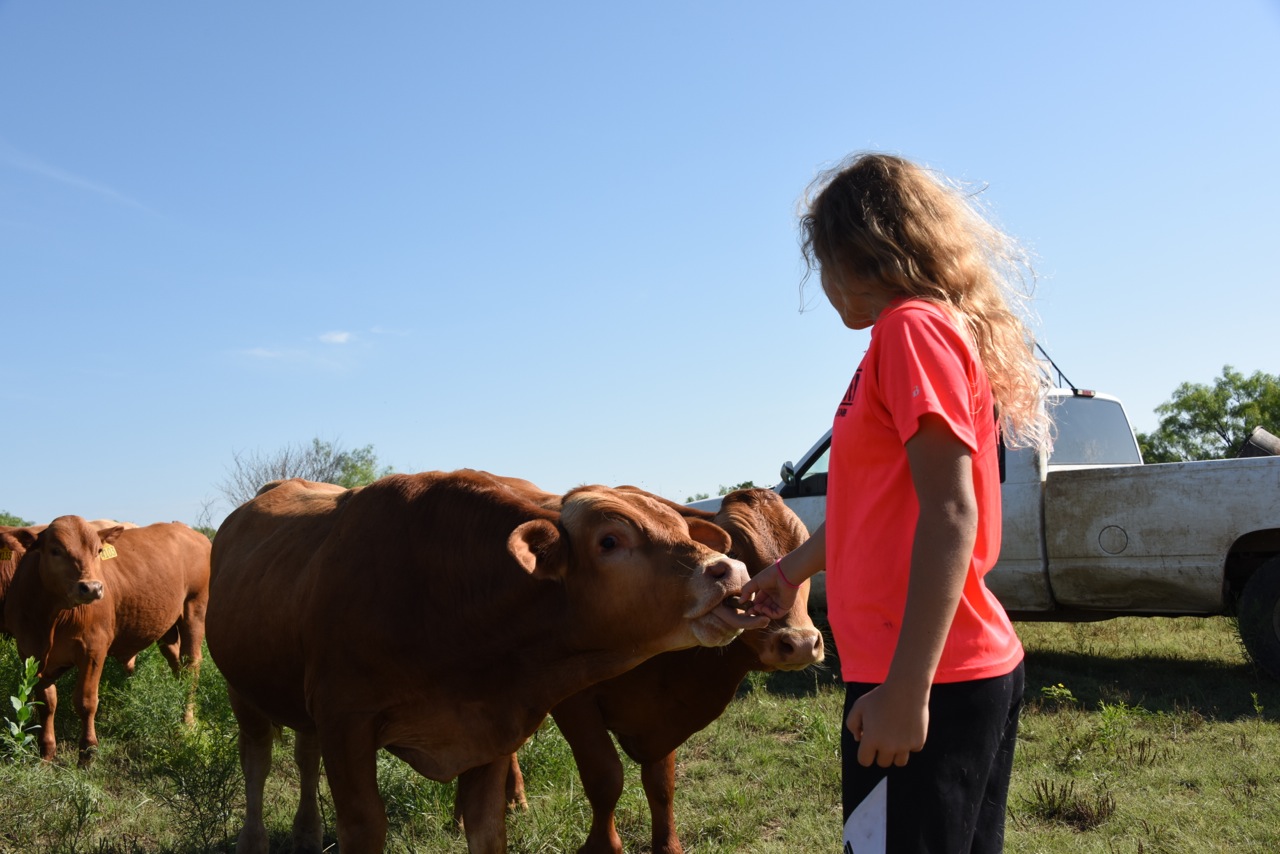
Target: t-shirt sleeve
x,y
924,368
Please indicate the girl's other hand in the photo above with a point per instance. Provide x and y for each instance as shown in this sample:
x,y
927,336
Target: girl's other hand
x,y
889,724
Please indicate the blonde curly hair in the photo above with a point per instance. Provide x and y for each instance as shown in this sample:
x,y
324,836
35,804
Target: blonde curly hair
x,y
880,218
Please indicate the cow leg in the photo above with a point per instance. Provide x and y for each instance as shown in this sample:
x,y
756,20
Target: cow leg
x,y
481,795
46,694
190,653
191,628
168,645
256,736
308,831
171,646
600,769
350,756
88,675
515,786
659,779
516,799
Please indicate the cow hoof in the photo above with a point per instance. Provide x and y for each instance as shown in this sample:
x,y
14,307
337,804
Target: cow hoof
x,y
252,840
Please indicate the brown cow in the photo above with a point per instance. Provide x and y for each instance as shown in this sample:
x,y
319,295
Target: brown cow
x,y
82,594
656,707
440,616
14,542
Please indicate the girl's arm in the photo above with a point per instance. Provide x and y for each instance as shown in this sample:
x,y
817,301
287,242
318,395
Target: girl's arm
x,y
892,721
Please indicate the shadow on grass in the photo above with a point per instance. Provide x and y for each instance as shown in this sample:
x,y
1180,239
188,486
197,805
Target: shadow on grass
x,y
1223,690
1218,690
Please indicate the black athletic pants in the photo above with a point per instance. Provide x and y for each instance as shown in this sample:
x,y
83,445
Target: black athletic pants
x,y
949,798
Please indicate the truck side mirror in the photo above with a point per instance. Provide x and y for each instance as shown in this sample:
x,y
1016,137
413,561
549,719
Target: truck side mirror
x,y
788,472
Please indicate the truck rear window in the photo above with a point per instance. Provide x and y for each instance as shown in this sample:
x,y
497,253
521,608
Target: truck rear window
x,y
1091,431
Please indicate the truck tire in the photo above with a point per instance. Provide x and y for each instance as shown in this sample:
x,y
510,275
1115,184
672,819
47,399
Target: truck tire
x,y
1258,617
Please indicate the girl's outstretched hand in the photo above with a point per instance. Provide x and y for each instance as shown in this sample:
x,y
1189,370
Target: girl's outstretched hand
x,y
767,594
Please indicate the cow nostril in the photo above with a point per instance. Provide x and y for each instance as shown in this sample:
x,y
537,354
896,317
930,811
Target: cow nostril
x,y
799,647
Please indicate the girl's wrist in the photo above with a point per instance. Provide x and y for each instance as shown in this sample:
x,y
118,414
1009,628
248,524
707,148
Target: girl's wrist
x,y
777,564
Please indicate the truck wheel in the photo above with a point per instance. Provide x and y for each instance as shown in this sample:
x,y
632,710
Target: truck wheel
x,y
1258,617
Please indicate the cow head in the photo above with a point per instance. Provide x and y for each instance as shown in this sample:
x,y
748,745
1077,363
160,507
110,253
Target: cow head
x,y
764,529
652,578
71,554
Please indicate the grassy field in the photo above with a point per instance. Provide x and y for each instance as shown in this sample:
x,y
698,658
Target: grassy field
x,y
1140,735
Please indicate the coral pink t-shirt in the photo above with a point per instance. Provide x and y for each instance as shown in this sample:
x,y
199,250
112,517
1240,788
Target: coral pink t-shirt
x,y
919,362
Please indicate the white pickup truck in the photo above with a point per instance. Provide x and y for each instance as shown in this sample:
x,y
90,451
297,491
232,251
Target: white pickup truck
x,y
1091,533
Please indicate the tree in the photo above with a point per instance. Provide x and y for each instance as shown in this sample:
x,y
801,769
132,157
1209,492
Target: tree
x,y
320,461
13,521
724,490
1212,422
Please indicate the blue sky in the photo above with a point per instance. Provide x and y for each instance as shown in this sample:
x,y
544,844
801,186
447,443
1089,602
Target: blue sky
x,y
558,240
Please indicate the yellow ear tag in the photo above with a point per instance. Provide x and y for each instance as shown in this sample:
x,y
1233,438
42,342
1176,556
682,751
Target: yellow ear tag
x,y
107,552
6,555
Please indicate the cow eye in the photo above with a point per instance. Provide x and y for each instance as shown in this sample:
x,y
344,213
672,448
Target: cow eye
x,y
608,543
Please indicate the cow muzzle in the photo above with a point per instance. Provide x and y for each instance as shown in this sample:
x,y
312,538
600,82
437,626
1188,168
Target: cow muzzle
x,y
791,648
85,592
721,619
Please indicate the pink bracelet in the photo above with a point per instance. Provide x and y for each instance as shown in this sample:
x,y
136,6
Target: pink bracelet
x,y
777,564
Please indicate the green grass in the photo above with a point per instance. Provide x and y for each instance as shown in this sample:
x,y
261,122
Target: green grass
x,y
1145,735
1140,735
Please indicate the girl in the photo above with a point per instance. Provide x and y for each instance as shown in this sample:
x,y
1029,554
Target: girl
x,y
932,664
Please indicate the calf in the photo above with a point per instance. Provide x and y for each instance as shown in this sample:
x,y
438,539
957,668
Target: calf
x,y
80,594
440,616
655,707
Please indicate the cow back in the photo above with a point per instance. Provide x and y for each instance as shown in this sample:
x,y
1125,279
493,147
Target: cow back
x,y
310,571
156,570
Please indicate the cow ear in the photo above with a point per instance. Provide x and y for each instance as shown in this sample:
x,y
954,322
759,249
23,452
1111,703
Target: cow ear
x,y
108,535
26,538
710,535
539,548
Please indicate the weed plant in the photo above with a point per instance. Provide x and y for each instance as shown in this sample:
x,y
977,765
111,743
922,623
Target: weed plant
x,y
1143,735
17,741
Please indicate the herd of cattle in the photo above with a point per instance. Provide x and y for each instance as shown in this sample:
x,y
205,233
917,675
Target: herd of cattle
x,y
440,616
